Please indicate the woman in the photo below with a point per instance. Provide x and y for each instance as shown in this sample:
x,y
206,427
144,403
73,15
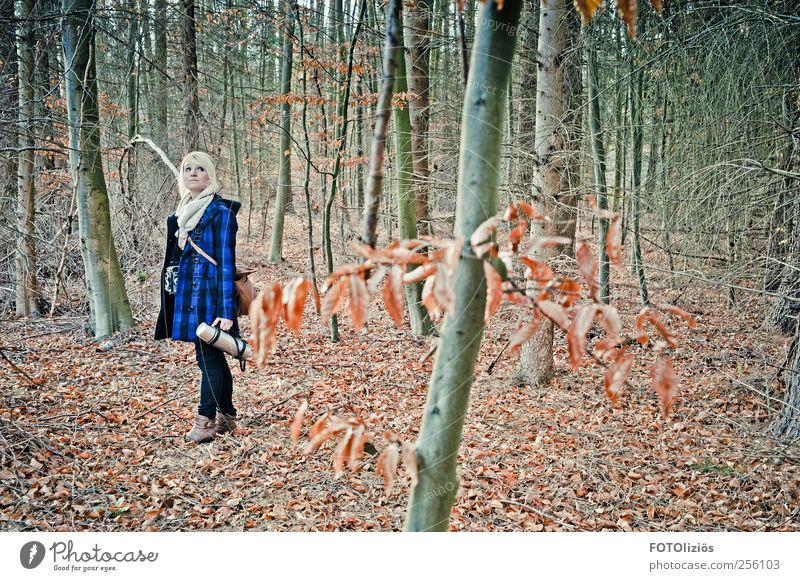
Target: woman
x,y
194,291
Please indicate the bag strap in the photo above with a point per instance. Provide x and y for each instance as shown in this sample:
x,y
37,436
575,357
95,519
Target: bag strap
x,y
201,252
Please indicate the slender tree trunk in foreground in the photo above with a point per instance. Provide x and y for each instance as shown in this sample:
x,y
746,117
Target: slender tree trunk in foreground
x,y
437,447
108,301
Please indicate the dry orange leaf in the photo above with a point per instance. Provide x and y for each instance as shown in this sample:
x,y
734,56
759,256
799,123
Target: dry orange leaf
x,y
294,299
658,323
627,10
482,239
387,466
494,291
524,332
420,273
334,298
297,422
393,295
615,376
410,460
587,8
359,301
554,312
665,382
539,272
342,453
587,266
614,242
690,320
576,335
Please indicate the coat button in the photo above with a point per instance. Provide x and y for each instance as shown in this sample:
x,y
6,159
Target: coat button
x,y
196,260
191,308
194,284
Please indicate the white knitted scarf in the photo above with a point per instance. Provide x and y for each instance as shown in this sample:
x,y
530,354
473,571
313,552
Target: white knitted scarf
x,y
189,213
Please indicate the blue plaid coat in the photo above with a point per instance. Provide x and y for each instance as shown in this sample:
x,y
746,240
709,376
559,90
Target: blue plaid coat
x,y
204,291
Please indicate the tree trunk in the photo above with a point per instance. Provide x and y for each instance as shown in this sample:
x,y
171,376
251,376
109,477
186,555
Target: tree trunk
x,y
26,288
637,80
191,103
526,101
341,141
406,207
419,23
375,175
9,107
109,307
566,210
284,153
787,425
131,208
536,365
599,151
312,271
160,58
437,447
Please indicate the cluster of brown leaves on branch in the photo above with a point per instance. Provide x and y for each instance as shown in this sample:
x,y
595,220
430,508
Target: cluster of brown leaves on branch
x,y
350,449
435,261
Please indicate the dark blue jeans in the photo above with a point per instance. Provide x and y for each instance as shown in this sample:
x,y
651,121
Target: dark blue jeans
x,y
216,381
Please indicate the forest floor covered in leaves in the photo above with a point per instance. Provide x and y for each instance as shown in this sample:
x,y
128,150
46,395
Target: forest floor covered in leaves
x,y
94,440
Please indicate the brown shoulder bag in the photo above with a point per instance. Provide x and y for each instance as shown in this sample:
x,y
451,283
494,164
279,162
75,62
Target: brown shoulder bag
x,y
245,289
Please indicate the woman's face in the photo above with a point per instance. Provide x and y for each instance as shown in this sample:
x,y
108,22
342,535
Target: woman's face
x,y
195,177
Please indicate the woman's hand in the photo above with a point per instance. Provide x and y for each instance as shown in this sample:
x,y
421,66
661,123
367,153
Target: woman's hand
x,y
224,324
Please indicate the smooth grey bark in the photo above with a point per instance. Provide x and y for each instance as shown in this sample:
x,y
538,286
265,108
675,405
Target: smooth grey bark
x,y
284,154
536,365
25,280
110,309
372,195
483,114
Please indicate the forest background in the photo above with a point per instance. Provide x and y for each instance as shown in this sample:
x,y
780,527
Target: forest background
x,y
662,139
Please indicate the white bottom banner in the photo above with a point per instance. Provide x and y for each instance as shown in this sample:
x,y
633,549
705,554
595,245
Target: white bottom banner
x,y
119,556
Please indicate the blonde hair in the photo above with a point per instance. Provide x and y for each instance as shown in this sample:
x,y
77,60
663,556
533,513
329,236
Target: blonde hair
x,y
203,159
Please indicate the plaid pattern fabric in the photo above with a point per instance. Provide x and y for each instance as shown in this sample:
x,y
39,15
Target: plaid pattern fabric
x,y
205,291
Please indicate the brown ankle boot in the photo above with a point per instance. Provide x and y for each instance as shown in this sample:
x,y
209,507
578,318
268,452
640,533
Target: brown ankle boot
x,y
225,423
203,430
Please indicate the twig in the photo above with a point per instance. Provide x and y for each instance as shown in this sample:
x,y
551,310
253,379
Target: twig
x,y
496,359
280,403
537,512
162,404
18,370
429,353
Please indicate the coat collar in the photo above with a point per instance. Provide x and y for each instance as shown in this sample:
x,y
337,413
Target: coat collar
x,y
212,210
